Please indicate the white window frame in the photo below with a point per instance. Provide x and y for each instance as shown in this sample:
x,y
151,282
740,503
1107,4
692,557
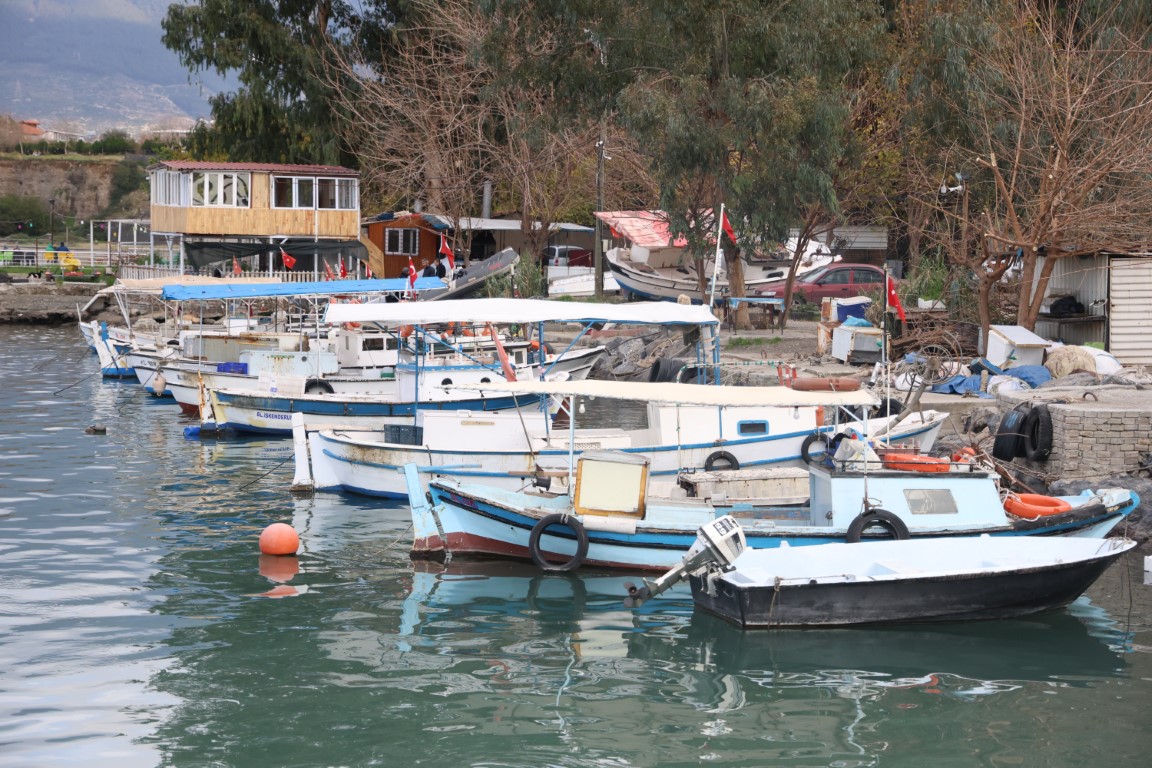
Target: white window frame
x,y
398,239
222,188
344,193
171,188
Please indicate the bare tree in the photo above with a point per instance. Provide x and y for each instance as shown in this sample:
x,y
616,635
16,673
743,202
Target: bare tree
x,y
1059,118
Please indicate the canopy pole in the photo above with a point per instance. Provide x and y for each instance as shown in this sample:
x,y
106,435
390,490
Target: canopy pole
x,y
571,442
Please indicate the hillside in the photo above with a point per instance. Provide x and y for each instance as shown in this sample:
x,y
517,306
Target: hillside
x,y
93,66
82,188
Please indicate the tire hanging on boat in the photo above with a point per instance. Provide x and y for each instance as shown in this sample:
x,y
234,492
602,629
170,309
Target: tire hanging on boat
x,y
811,440
881,518
721,457
1037,431
544,524
318,387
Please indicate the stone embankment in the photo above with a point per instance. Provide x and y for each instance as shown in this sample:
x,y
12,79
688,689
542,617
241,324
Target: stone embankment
x,y
37,301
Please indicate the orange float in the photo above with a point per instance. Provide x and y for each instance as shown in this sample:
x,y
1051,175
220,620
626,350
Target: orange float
x,y
822,384
279,539
912,462
1033,505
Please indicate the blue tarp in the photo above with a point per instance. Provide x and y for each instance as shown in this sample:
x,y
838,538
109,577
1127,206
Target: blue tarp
x,y
1032,375
226,290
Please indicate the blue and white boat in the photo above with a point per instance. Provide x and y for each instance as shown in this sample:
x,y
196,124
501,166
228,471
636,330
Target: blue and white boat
x,y
616,515
508,450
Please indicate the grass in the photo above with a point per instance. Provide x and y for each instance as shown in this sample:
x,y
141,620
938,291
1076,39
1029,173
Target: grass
x,y
752,341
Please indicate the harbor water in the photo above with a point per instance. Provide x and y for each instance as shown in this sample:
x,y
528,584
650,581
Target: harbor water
x,y
139,626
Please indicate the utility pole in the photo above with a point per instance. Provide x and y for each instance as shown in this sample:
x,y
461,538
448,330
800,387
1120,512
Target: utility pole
x,y
598,246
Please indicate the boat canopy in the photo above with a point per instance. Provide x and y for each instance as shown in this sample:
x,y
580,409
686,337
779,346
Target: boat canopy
x,y
679,394
156,285
230,289
520,311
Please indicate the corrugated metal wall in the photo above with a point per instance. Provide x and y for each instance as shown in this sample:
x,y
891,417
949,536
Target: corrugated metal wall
x,y
1087,279
1130,310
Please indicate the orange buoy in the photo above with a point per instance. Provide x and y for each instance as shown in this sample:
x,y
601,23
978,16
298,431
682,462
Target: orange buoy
x,y
1033,505
912,462
828,384
279,539
964,454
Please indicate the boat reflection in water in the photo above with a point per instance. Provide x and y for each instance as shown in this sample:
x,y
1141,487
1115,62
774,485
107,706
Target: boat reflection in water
x,y
829,693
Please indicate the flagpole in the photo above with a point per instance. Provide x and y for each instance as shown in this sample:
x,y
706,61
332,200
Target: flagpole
x,y
719,255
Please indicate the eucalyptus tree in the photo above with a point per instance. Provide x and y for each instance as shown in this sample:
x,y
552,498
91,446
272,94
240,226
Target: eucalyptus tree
x,y
282,109
734,102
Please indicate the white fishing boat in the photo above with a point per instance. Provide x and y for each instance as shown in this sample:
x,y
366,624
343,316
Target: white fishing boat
x,y
616,515
655,265
922,580
510,450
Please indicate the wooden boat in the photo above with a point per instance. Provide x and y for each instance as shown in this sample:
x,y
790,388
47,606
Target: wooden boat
x,y
614,517
925,580
507,450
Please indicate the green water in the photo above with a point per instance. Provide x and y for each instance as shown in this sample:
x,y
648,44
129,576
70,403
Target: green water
x,y
137,628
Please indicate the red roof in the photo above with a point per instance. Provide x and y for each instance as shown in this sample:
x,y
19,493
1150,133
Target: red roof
x,y
300,170
647,229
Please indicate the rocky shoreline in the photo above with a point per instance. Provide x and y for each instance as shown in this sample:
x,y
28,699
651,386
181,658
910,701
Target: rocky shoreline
x,y
39,302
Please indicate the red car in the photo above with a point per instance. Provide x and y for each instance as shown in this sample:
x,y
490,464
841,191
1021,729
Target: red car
x,y
839,281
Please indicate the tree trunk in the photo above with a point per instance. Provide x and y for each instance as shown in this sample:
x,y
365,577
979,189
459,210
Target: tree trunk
x,y
735,270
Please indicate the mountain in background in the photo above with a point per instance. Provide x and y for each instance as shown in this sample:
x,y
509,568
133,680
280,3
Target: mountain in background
x,y
88,66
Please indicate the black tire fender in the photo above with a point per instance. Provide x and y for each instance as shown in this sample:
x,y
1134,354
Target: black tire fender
x,y
889,406
664,369
318,387
811,440
1037,431
1009,442
721,456
876,518
544,524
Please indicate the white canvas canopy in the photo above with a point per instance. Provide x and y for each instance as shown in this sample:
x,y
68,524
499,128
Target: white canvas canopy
x,y
681,394
520,311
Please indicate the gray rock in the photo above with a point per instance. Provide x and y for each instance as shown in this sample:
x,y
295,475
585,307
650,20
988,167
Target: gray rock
x,y
1138,525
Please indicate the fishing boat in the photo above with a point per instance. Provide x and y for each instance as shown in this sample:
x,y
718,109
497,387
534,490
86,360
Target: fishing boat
x,y
615,517
511,450
654,264
920,580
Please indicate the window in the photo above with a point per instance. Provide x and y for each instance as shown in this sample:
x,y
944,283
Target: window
x,y
865,276
930,502
752,428
403,242
836,277
307,192
220,189
170,188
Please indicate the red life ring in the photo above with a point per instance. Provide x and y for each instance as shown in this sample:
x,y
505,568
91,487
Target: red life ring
x,y
1033,505
829,384
912,462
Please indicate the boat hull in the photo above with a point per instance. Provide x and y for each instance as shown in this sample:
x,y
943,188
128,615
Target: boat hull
x,y
466,524
961,596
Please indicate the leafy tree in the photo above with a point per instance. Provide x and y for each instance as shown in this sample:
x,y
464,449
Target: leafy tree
x,y
1051,150
20,215
740,102
283,109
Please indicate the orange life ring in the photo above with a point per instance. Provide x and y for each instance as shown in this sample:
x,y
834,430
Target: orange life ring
x,y
405,331
1033,505
964,454
829,384
913,462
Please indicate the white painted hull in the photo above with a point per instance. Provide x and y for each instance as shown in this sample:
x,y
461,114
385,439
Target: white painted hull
x,y
363,463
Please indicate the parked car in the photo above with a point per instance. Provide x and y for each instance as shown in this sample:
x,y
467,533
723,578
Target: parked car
x,y
566,256
838,281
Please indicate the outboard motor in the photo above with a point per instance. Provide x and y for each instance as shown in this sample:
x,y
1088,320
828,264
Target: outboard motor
x,y
717,545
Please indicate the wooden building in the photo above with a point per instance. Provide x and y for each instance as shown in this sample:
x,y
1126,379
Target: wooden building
x,y
225,212
401,236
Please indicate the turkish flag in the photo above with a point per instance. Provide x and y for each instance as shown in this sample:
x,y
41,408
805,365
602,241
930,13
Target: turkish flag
x,y
328,275
236,267
894,298
343,269
411,276
289,261
727,227
447,251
